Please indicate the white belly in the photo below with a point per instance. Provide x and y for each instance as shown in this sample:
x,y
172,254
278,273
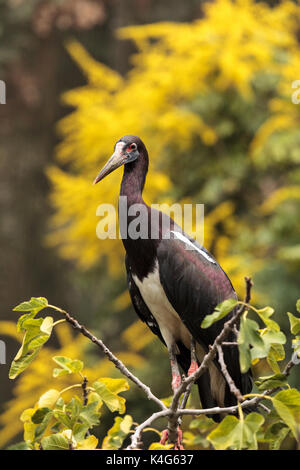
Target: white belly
x,y
169,322
171,326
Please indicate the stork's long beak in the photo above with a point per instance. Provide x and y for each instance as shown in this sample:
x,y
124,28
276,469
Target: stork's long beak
x,y
117,159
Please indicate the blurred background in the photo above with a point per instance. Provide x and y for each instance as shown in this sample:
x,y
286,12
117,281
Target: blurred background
x,y
208,86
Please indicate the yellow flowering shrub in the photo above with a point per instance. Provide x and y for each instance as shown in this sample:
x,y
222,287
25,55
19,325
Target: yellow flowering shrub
x,y
205,98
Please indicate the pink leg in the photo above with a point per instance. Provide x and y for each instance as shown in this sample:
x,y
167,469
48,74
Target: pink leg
x,y
178,444
193,367
194,363
176,381
164,437
176,377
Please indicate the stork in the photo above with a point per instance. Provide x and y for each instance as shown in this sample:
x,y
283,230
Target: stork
x,y
173,288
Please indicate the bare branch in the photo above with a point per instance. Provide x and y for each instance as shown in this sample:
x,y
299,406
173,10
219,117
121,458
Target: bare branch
x,y
136,438
176,410
287,369
119,364
233,388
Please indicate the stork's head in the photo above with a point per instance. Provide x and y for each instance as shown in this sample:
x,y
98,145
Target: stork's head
x,y
126,150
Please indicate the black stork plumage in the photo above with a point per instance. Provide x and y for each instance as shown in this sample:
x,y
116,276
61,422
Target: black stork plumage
x,y
173,288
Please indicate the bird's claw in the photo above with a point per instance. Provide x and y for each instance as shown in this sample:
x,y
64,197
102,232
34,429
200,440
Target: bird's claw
x,y
164,437
178,444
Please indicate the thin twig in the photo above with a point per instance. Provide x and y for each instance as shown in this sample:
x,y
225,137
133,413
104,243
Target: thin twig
x,y
263,407
85,391
136,437
185,397
287,369
233,388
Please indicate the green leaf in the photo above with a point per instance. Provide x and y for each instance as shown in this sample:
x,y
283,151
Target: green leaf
x,y
202,423
60,403
39,415
49,399
220,311
275,434
76,417
265,314
34,304
68,366
110,399
20,446
94,397
55,442
63,418
37,332
29,426
74,408
115,385
117,434
89,414
298,305
287,405
191,440
18,366
47,325
23,320
271,381
45,332
41,428
90,443
276,353
108,390
80,430
159,446
294,323
269,338
236,434
249,336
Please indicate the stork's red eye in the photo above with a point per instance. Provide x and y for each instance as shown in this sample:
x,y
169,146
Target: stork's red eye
x,y
131,147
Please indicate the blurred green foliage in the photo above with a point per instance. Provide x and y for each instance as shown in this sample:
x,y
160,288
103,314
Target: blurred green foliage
x,y
56,424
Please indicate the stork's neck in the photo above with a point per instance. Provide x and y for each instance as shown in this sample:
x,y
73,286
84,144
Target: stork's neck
x,y
141,251
134,180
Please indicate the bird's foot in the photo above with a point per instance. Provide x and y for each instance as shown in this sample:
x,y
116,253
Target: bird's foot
x,y
176,381
164,437
193,367
178,444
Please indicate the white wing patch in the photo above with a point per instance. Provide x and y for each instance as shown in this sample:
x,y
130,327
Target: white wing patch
x,y
181,237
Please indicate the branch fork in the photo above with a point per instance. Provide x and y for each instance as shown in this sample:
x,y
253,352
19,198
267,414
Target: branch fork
x,y
177,408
